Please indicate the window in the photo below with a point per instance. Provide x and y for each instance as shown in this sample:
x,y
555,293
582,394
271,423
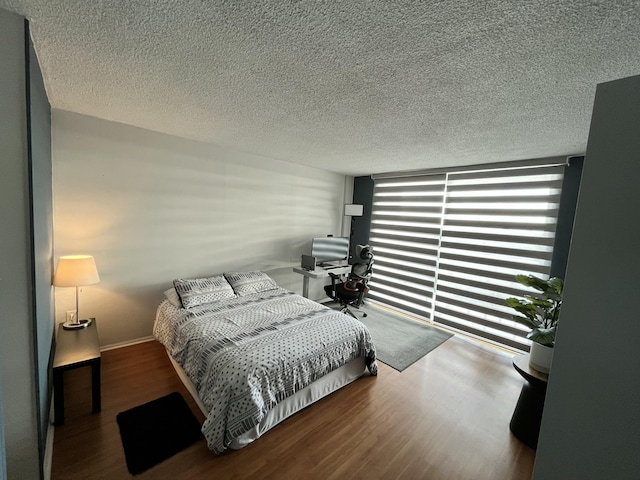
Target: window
x,y
405,234
448,245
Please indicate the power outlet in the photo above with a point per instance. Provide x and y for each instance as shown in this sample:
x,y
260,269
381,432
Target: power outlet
x,y
71,316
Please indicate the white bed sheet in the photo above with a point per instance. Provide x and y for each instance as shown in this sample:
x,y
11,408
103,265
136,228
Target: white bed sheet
x,y
289,406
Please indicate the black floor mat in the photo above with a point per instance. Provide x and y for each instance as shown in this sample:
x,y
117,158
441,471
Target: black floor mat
x,y
157,430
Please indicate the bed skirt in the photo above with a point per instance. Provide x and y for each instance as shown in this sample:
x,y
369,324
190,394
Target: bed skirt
x,y
289,406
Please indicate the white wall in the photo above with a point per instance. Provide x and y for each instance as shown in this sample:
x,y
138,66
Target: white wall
x,y
151,207
591,421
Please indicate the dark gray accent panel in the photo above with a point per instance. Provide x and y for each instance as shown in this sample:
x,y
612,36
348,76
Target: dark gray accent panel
x,y
360,226
566,215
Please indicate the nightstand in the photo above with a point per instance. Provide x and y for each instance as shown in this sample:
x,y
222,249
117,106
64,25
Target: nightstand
x,y
75,349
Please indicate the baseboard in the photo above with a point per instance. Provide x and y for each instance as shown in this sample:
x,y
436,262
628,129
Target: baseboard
x,y
127,343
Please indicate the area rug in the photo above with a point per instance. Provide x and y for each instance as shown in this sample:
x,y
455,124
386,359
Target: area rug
x,y
157,430
400,341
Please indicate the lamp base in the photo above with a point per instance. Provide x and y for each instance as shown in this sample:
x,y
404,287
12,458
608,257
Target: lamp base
x,y
75,326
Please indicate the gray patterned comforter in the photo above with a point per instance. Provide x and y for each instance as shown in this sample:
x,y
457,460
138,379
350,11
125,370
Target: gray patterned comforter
x,y
246,354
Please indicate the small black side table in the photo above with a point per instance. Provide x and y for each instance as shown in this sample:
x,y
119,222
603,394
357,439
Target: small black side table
x,y
75,349
525,422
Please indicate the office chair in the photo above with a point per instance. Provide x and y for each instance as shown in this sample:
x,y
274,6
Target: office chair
x,y
351,292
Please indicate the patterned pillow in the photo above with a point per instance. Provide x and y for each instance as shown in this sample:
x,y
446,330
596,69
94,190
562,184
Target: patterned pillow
x,y
196,291
247,283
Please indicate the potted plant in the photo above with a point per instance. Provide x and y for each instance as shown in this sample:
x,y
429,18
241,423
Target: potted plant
x,y
540,313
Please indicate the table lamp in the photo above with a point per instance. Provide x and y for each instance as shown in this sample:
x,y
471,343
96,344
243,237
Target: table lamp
x,y
76,271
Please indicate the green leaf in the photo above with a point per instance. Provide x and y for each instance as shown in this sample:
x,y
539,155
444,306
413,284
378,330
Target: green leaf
x,y
532,281
527,309
556,285
543,336
540,302
527,322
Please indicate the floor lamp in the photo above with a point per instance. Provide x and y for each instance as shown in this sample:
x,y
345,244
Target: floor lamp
x,y
76,271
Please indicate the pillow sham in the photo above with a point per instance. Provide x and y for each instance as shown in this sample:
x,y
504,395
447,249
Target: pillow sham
x,y
173,297
247,283
196,291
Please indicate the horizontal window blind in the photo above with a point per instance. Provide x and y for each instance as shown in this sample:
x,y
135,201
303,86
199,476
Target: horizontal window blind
x,y
496,225
448,246
405,233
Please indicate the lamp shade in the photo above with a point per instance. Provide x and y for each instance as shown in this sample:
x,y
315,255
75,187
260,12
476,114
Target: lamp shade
x,y
75,271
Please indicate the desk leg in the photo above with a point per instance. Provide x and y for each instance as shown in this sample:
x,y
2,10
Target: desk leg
x,y
305,287
96,397
58,396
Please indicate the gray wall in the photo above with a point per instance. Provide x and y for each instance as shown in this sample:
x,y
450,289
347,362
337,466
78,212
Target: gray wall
x,y
152,207
19,404
591,422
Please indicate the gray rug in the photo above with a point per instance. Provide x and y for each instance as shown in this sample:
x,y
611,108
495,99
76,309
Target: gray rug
x,y
399,341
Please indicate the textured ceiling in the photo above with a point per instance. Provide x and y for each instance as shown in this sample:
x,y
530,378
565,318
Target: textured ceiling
x,y
355,87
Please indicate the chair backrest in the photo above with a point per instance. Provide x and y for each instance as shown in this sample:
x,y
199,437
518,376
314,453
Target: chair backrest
x,y
361,273
364,268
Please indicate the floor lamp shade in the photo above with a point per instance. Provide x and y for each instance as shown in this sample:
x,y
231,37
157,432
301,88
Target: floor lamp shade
x,y
353,210
76,271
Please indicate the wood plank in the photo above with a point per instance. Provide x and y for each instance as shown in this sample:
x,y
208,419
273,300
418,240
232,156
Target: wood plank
x,y
445,417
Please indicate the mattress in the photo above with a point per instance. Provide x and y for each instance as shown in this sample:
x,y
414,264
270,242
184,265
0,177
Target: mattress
x,y
254,360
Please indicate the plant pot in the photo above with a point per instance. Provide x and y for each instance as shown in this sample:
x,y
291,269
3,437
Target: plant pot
x,y
540,357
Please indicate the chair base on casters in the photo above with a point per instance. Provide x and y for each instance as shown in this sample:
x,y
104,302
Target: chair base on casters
x,y
346,298
347,310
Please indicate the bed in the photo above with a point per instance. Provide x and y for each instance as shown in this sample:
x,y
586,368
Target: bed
x,y
252,353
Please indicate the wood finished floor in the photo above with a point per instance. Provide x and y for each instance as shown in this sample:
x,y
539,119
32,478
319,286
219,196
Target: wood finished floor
x,y
445,417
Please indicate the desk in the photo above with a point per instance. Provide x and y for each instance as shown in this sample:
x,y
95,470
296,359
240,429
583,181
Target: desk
x,y
319,272
75,349
525,423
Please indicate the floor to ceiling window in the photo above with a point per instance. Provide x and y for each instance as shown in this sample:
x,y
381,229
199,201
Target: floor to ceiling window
x,y
449,244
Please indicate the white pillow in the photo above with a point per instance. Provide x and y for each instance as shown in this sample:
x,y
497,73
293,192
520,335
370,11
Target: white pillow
x,y
173,297
196,291
247,283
